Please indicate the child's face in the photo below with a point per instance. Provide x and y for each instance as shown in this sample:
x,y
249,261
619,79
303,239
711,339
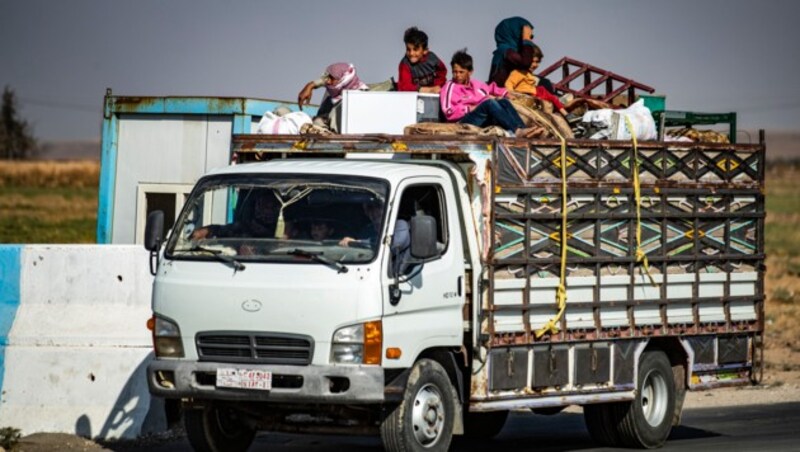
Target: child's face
x,y
535,64
415,53
461,75
320,231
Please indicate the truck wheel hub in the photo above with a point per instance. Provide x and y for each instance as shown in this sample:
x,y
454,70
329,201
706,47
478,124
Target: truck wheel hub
x,y
427,415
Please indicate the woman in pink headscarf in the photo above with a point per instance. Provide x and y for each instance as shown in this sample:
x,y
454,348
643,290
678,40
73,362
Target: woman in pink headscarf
x,y
336,78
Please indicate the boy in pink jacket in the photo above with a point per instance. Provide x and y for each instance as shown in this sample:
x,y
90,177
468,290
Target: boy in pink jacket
x,y
469,101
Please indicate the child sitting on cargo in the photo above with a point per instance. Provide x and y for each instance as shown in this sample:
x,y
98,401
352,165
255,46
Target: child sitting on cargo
x,y
337,78
469,101
526,82
420,70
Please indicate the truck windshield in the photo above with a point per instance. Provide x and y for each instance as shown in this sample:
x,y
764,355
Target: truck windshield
x,y
315,219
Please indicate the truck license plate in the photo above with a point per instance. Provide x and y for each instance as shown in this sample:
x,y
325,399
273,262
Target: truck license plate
x,y
244,379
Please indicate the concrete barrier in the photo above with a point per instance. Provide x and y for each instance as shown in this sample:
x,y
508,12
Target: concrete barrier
x,y
73,341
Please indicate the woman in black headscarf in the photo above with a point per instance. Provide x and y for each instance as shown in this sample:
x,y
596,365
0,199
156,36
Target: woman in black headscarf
x,y
514,38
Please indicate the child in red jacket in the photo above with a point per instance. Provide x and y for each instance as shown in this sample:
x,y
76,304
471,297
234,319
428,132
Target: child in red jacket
x,y
420,70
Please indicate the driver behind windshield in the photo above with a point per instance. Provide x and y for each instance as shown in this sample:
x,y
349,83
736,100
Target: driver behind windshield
x,y
368,234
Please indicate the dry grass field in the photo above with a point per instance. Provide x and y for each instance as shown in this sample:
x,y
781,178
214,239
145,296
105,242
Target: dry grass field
x,y
48,202
56,202
783,273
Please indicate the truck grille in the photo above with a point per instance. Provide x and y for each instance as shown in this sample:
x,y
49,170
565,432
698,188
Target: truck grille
x,y
260,348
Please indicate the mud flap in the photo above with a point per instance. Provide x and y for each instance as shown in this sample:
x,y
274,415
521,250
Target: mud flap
x,y
679,375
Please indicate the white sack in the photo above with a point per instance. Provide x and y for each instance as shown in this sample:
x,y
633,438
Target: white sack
x,y
288,124
613,125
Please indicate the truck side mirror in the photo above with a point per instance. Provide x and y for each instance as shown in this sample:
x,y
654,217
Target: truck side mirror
x,y
154,230
423,237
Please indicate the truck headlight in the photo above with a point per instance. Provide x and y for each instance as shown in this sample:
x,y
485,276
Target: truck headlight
x,y
166,338
358,344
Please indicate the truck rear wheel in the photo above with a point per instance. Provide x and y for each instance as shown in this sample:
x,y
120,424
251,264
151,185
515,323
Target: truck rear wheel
x,y
424,420
214,429
647,420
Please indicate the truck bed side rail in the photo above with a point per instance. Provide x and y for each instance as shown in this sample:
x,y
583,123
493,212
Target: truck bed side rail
x,y
702,226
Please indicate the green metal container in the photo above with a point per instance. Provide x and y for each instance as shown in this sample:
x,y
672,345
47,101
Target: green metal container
x,y
655,102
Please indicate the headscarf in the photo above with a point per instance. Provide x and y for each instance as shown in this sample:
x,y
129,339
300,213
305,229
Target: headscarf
x,y
507,35
345,73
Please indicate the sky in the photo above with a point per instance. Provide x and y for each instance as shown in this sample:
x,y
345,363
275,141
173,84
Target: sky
x,y
703,55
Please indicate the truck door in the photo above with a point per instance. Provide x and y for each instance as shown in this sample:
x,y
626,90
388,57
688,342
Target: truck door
x,y
428,312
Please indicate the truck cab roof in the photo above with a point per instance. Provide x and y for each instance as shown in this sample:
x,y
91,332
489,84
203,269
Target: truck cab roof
x,y
391,170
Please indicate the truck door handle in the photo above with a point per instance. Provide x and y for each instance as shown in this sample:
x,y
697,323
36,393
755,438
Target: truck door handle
x,y
458,285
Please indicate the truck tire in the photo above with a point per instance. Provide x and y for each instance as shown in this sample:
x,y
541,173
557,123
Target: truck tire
x,y
484,425
424,420
216,429
646,421
602,420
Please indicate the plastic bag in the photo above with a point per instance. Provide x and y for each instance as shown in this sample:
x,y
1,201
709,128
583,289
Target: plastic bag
x,y
613,126
287,124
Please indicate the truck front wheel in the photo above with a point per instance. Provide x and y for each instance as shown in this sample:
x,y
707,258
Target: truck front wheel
x,y
214,428
423,421
646,421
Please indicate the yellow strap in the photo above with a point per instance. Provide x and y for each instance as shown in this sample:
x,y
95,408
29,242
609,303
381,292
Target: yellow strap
x,y
561,293
300,144
637,192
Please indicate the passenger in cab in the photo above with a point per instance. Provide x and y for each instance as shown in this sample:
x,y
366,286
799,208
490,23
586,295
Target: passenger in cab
x,y
259,221
321,229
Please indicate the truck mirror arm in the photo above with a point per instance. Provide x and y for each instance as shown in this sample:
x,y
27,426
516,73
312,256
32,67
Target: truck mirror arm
x,y
154,261
394,289
153,237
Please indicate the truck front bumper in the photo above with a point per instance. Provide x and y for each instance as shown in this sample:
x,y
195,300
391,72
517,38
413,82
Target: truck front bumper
x,y
290,384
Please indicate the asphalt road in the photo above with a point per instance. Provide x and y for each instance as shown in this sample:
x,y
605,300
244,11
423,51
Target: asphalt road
x,y
746,428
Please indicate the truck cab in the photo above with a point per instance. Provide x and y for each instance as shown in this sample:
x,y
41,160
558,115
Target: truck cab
x,y
292,284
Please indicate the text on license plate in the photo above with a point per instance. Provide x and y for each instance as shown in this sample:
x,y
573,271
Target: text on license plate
x,y
244,379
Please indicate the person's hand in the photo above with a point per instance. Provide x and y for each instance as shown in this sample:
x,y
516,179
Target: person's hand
x,y
347,241
431,89
304,96
200,234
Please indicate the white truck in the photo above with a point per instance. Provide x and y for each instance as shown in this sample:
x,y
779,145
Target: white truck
x,y
457,279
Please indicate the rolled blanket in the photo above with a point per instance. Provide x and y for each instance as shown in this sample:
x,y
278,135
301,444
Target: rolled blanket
x,y
436,128
551,122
